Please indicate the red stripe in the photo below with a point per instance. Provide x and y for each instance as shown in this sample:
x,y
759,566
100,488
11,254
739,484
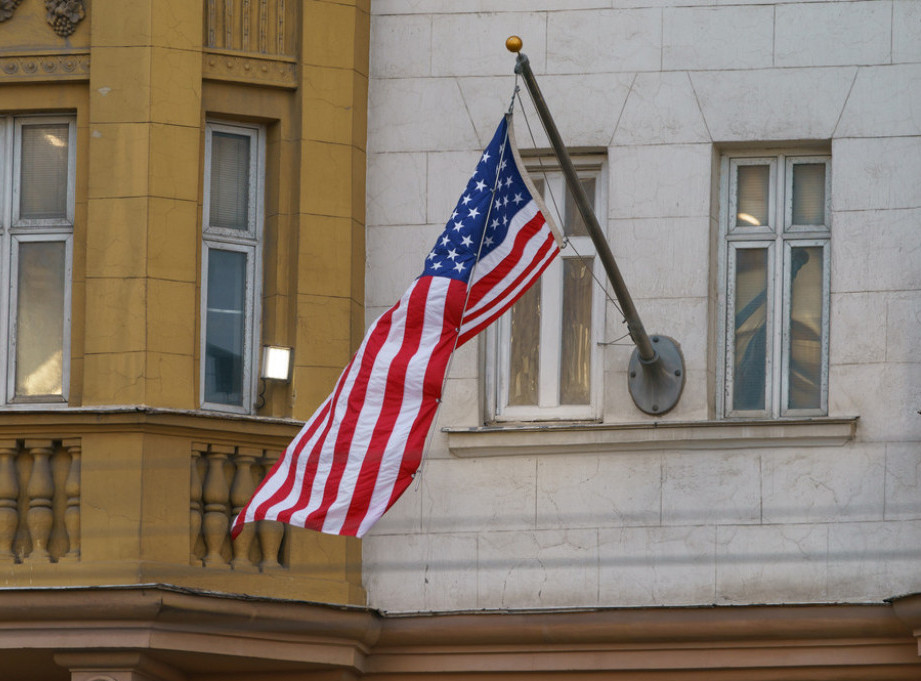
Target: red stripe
x,y
393,396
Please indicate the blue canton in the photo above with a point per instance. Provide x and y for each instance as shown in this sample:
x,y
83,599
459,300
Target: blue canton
x,y
456,250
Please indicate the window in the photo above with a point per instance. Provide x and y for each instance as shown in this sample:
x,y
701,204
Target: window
x,y
38,156
775,270
232,215
544,360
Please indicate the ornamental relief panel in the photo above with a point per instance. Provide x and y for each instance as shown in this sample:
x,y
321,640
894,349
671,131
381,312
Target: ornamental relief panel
x,y
37,67
62,15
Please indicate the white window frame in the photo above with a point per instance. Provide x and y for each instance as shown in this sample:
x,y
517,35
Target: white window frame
x,y
14,231
778,237
247,241
497,337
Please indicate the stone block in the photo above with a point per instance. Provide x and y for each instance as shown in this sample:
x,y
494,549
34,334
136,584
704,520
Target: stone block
x,y
871,173
703,38
404,248
579,125
172,237
170,306
771,564
700,488
649,566
526,569
116,315
772,104
170,381
174,161
461,403
397,189
175,86
323,330
903,481
120,85
884,102
324,253
660,181
873,561
444,179
401,46
828,34
329,105
326,178
631,38
661,109
176,24
119,155
116,237
884,396
472,494
404,517
599,491
903,327
906,31
473,44
329,35
876,250
850,342
387,563
663,257
437,119
114,378
837,484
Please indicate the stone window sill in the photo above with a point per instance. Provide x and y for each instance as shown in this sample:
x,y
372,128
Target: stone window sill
x,y
587,438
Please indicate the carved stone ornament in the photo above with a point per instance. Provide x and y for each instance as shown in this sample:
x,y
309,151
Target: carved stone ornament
x,y
7,7
64,15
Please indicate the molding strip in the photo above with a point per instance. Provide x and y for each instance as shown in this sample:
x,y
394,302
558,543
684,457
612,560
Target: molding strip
x,y
44,67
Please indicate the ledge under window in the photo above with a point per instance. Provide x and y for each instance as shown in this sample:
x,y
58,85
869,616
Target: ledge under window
x,y
586,438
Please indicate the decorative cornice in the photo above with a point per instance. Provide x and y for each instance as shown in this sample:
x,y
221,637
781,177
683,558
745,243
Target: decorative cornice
x,y
255,69
37,67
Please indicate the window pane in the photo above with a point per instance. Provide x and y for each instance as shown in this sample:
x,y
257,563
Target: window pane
x,y
806,294
224,340
43,172
753,195
229,181
576,347
809,194
750,344
575,225
40,319
524,349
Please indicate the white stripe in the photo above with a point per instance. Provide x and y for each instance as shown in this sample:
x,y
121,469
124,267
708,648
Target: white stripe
x,y
412,403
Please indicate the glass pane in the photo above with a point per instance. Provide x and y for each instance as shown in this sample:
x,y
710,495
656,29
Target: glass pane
x,y
575,225
750,344
229,181
753,184
40,319
806,295
43,172
809,194
576,349
224,340
524,349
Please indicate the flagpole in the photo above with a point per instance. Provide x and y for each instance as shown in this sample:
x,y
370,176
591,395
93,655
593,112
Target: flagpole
x,y
656,370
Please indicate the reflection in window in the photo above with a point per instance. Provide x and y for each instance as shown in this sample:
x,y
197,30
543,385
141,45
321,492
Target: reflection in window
x,y
225,339
750,353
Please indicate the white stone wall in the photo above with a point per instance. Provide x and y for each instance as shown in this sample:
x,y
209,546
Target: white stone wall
x,y
663,86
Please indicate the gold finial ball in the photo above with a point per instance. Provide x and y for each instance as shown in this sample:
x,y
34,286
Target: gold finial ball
x,y
513,44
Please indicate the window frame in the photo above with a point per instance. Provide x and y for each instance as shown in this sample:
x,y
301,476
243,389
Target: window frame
x,y
497,337
15,231
778,237
249,242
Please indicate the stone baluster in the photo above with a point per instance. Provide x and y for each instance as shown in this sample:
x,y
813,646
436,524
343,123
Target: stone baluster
x,y
241,491
271,533
216,495
40,490
199,453
72,493
9,499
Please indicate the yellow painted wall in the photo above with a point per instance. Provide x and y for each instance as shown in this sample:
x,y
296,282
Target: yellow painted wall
x,y
142,79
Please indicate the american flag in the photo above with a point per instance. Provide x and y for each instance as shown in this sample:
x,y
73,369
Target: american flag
x,y
359,452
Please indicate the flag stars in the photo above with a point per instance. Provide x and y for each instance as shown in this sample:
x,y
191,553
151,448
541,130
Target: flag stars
x,y
458,226
486,156
474,212
466,241
518,198
467,199
480,185
452,254
459,267
445,240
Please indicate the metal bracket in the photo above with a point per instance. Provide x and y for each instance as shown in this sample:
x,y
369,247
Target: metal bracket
x,y
656,385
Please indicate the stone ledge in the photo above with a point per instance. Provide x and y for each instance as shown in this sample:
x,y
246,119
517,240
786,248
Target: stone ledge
x,y
587,438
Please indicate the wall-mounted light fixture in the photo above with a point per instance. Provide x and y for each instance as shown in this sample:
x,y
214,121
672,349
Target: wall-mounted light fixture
x,y
276,363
